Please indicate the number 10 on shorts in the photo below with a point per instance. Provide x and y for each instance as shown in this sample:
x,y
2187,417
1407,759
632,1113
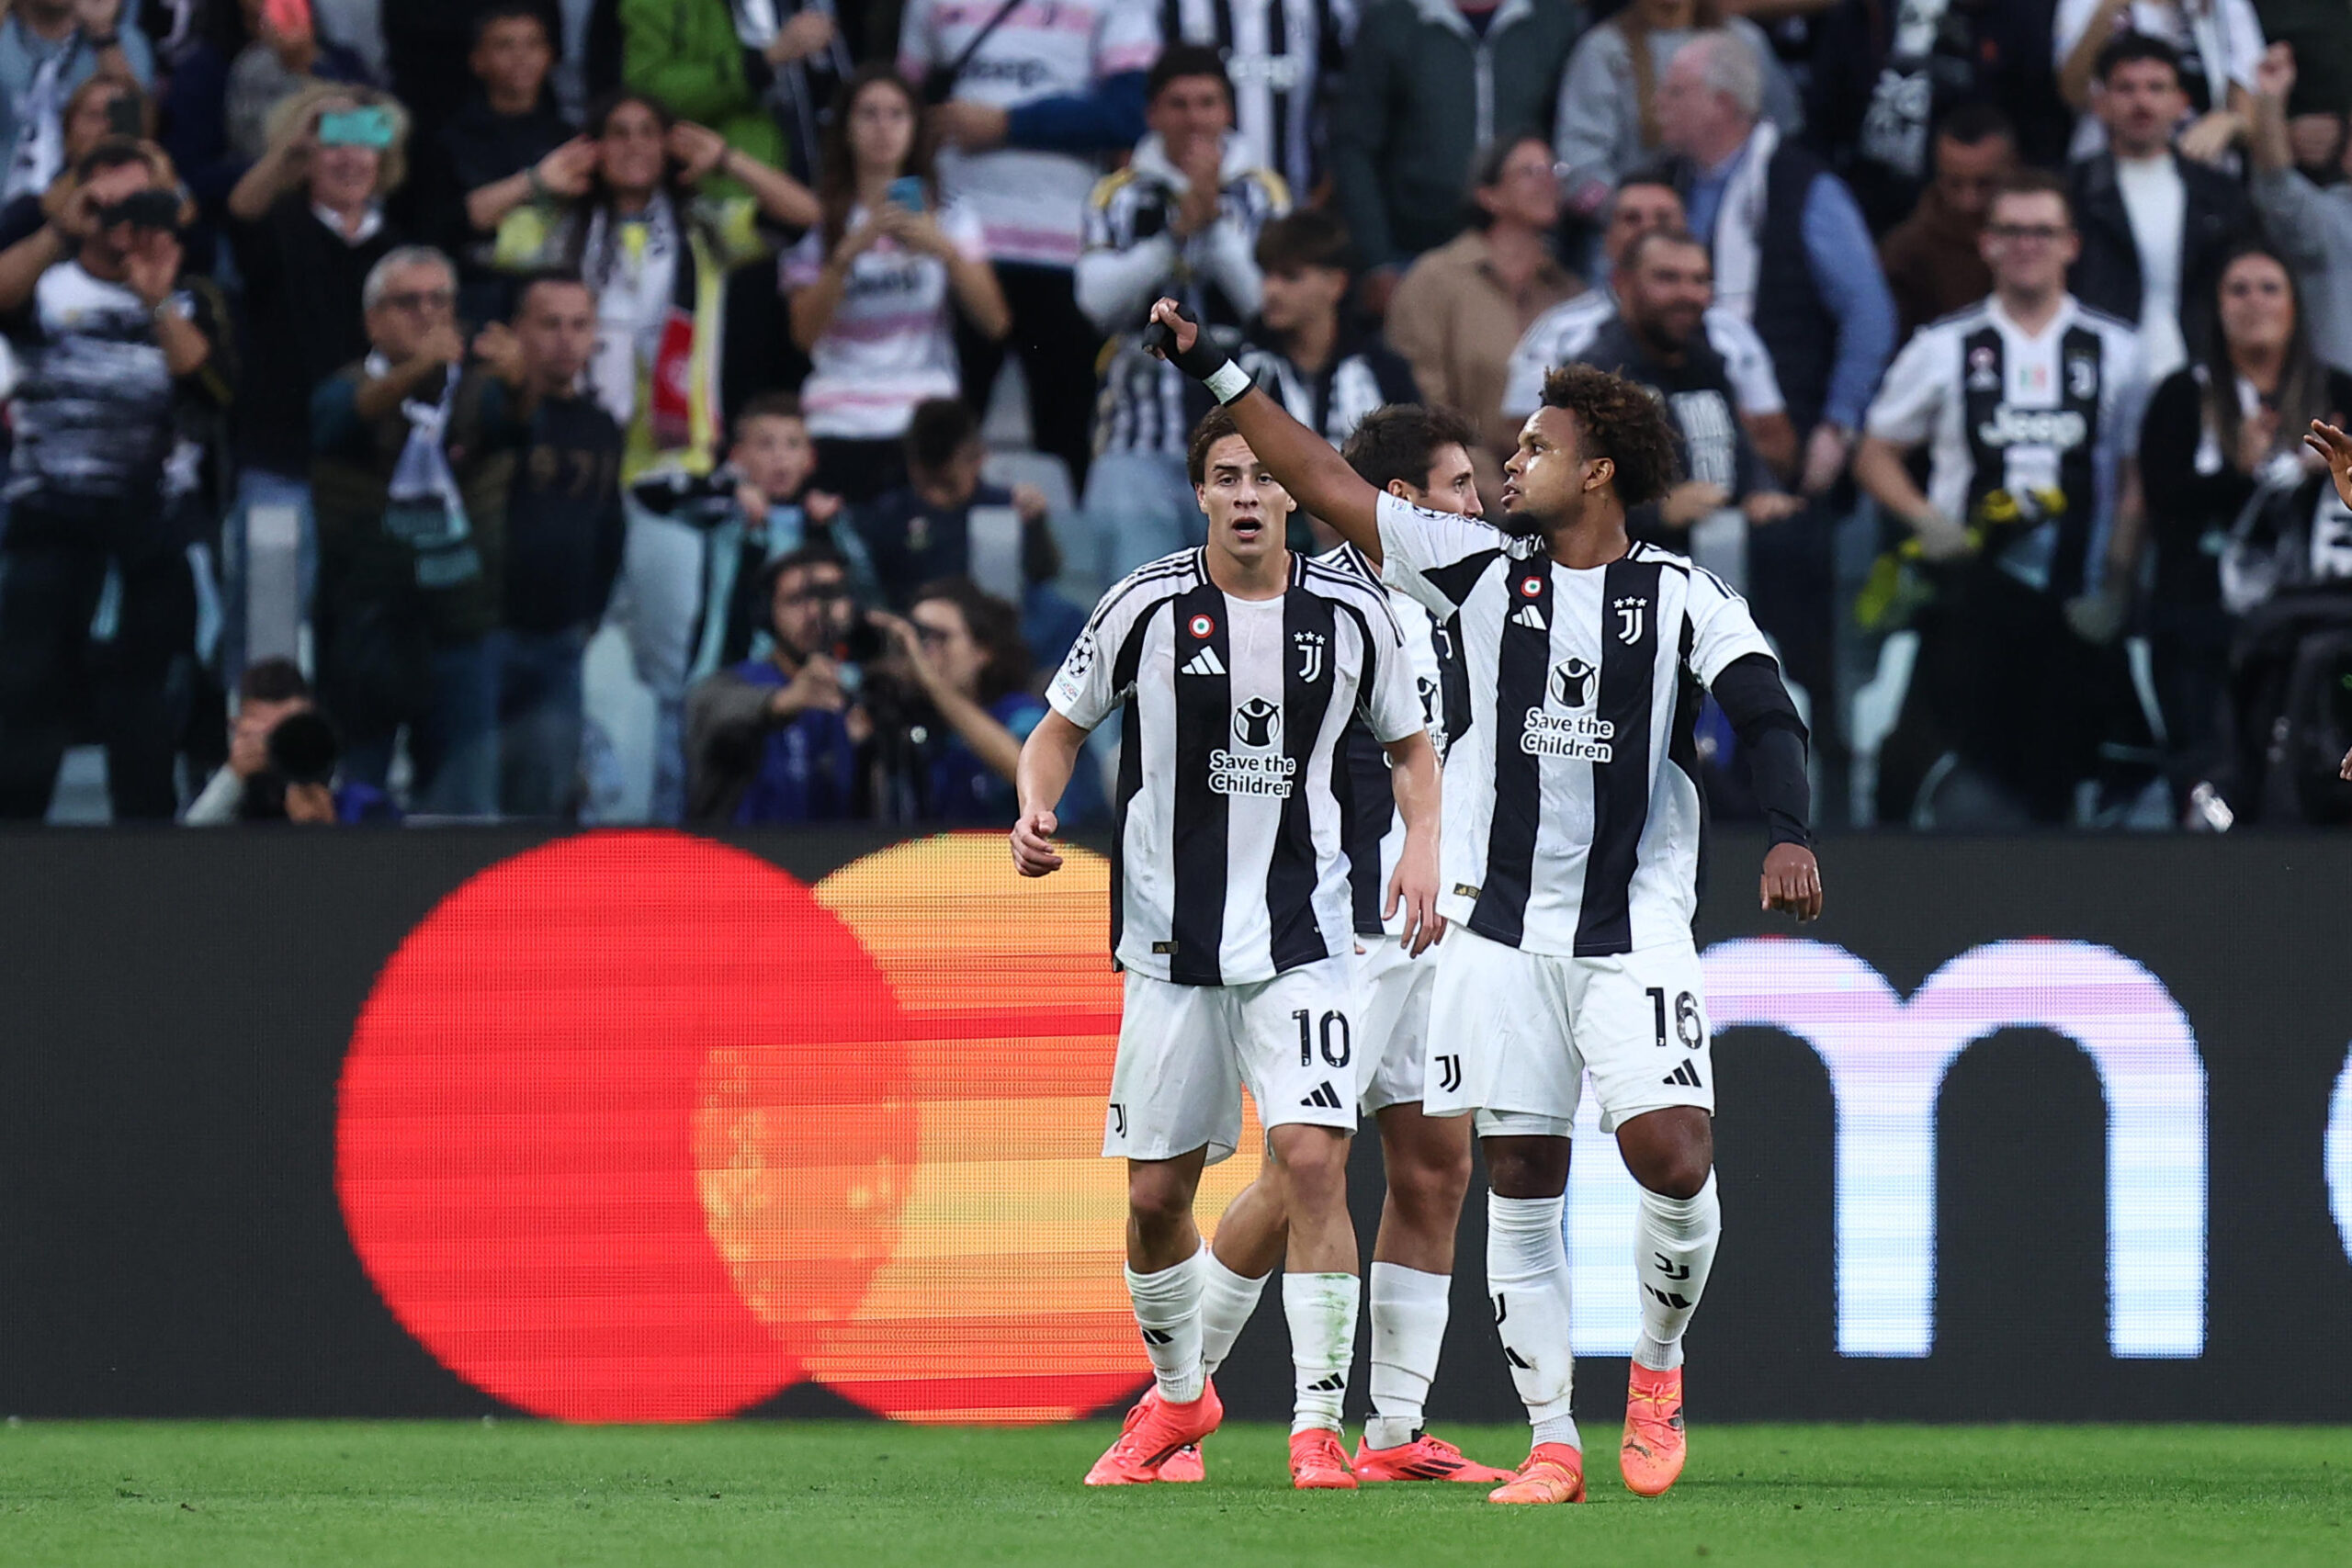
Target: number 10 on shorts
x,y
1333,1033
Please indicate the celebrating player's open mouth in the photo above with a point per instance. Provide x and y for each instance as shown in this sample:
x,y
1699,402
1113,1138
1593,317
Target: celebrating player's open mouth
x,y
1570,861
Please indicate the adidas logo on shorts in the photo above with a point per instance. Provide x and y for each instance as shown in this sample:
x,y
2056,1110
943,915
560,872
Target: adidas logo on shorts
x,y
1684,1077
1323,1099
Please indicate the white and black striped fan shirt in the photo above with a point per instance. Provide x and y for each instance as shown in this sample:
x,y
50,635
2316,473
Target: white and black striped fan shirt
x,y
1229,865
1572,815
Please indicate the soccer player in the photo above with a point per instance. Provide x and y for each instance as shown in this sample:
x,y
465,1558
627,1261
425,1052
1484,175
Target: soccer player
x,y
1239,667
1572,827
1422,455
2030,406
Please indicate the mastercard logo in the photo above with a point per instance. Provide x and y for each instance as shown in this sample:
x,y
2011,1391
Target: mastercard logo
x,y
639,1127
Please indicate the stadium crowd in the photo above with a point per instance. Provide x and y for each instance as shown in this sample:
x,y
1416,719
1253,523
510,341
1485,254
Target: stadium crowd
x,y
605,409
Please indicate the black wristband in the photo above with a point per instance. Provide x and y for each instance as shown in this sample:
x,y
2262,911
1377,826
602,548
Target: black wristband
x,y
1200,362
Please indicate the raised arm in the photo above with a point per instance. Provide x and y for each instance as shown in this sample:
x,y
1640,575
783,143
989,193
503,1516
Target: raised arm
x,y
1307,465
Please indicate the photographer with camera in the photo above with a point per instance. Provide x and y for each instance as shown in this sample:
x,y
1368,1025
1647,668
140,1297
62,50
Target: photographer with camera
x,y
777,739
299,783
118,360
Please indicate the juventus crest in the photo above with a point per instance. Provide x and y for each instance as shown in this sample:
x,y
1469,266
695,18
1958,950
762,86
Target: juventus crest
x,y
1310,655
1630,611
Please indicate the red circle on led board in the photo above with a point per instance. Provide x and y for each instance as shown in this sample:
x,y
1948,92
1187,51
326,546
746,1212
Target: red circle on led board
x,y
517,1127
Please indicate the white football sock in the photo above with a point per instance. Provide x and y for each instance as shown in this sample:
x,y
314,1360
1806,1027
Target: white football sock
x,y
1227,1301
1408,1331
1674,1245
1321,1312
1167,1309
1527,1275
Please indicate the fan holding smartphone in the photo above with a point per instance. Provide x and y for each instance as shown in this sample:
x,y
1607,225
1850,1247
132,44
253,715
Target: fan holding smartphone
x,y
876,285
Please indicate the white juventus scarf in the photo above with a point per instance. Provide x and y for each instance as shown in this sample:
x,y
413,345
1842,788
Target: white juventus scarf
x,y
633,266
1738,219
40,145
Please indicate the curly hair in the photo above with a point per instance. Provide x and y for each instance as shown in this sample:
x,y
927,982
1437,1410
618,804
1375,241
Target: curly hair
x,y
1620,422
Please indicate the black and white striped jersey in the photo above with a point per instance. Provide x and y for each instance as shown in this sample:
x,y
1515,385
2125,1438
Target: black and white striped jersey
x,y
1376,828
1282,55
1231,866
1572,811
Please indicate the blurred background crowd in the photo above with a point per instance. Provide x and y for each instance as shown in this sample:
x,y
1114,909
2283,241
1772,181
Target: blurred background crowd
x,y
724,412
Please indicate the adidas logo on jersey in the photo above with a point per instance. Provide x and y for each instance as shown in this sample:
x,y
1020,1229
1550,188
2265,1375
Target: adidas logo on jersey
x,y
1324,1098
1684,1077
1528,616
1204,662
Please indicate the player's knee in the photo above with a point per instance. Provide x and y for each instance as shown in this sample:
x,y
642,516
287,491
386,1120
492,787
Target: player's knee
x,y
1314,1161
1432,1183
1160,1198
1527,1167
1677,1172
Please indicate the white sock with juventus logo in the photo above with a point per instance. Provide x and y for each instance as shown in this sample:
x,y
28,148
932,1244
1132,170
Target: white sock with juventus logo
x,y
1674,1246
1321,1312
1527,1275
1167,1309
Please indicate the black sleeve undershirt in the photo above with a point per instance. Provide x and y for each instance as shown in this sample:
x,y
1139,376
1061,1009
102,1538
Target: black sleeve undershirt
x,y
1774,740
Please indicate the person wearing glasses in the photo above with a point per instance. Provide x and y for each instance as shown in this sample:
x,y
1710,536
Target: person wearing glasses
x,y
2029,405
777,737
412,463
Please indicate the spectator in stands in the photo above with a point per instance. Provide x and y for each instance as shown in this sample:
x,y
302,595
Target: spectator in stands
x,y
970,673
564,535
2154,222
307,227
1428,83
799,48
1658,339
656,251
47,47
2312,226
235,71
923,532
776,739
97,605
301,781
2222,433
1645,202
91,115
414,463
1791,255
1285,59
1791,251
508,131
696,601
685,53
1022,112
1887,80
2216,45
1181,220
1933,264
876,286
1307,350
423,40
1462,308
270,690
1607,123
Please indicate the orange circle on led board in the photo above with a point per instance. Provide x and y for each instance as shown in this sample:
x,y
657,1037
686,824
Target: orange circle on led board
x,y
1003,1299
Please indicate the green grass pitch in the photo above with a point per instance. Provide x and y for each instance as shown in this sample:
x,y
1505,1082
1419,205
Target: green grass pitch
x,y
809,1494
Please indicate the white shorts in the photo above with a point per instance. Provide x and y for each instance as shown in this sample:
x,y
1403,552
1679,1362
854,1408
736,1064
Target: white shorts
x,y
1186,1052
1516,1032
1396,989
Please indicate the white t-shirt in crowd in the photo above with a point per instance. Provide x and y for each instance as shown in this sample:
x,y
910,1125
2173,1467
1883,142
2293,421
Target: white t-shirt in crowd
x,y
1031,204
892,340
2157,203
